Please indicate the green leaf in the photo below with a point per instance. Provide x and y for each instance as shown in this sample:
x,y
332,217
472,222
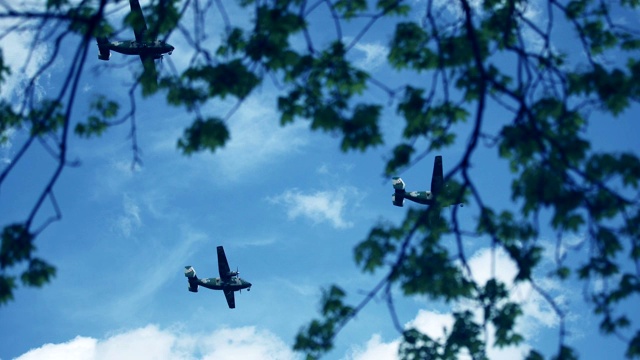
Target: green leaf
x,y
317,338
7,285
416,345
361,131
534,355
349,8
204,134
408,48
231,78
46,117
17,245
633,350
504,321
401,158
38,273
97,124
4,69
370,254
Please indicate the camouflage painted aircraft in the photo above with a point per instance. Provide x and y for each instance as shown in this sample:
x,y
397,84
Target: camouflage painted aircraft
x,y
148,49
229,281
421,197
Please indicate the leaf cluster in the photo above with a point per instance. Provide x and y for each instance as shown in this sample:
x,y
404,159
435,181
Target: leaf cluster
x,y
317,338
17,246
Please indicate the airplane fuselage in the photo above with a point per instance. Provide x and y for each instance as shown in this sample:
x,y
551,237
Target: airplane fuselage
x,y
234,284
420,197
229,281
154,49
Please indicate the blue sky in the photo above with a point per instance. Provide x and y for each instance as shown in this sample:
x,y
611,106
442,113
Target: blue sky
x,y
285,203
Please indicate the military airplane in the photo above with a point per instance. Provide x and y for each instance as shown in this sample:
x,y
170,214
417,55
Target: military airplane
x,y
229,281
421,197
148,49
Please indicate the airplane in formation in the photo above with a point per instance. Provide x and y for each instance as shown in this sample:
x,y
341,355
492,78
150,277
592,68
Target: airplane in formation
x,y
229,281
144,46
421,197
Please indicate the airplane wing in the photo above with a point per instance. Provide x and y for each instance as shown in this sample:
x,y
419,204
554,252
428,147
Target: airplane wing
x,y
437,179
139,25
231,301
223,269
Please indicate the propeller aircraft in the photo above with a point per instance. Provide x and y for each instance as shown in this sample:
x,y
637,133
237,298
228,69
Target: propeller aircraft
x,y
229,281
148,49
421,197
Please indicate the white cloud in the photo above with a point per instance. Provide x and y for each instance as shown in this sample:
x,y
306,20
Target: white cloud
x,y
433,324
375,54
537,315
532,12
320,206
537,312
246,343
80,348
151,342
16,46
375,349
455,7
6,145
323,169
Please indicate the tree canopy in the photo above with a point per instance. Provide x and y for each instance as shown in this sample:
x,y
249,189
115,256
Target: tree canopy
x,y
524,79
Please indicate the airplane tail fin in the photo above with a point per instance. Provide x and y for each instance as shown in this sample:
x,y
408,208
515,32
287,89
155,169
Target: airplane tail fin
x,y
437,179
190,273
103,48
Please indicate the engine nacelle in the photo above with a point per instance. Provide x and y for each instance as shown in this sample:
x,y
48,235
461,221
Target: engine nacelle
x,y
397,201
189,272
103,48
104,55
398,184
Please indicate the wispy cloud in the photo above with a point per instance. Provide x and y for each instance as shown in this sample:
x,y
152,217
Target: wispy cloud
x,y
302,288
375,55
257,139
261,241
130,220
23,60
320,206
149,276
151,342
375,349
6,145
